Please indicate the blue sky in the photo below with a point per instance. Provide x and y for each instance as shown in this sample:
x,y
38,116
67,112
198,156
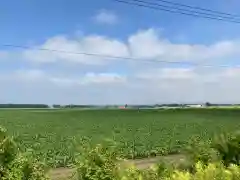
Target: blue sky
x,y
26,21
110,28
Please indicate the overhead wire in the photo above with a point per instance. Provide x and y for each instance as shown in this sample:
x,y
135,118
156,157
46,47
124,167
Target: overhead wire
x,y
85,53
122,57
200,8
154,4
176,10
187,10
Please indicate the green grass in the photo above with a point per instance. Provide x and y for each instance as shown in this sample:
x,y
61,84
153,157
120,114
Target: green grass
x,y
51,132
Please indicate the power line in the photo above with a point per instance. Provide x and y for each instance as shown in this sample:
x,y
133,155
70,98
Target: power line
x,y
219,16
200,8
160,7
198,15
91,54
119,57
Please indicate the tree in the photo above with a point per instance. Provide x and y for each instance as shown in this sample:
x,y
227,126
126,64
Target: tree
x,y
208,104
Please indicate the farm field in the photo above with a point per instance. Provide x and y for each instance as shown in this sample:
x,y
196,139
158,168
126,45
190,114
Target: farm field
x,y
51,133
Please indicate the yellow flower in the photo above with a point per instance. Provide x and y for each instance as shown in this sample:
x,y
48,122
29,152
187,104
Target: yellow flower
x,y
181,176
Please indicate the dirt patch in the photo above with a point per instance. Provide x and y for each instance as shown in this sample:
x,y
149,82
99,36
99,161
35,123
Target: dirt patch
x,y
67,173
61,174
148,162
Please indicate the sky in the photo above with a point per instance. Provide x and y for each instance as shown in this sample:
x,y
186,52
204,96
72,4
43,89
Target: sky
x,y
154,38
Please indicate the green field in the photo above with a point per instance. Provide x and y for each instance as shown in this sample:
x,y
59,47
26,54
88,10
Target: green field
x,y
52,132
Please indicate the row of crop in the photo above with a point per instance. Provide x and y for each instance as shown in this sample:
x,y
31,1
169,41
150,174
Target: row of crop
x,y
206,161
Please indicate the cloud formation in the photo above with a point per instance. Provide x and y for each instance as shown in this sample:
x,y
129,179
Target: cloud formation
x,y
160,85
51,77
91,44
143,45
106,17
3,55
35,75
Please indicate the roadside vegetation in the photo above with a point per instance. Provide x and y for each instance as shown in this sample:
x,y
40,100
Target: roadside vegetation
x,y
17,165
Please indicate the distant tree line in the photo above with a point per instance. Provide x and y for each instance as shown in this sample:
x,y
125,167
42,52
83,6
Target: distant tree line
x,y
210,104
24,106
170,105
73,106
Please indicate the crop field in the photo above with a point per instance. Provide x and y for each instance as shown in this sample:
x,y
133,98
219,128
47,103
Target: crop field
x,y
54,134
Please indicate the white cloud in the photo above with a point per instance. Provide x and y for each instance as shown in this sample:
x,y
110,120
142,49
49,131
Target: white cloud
x,y
90,79
103,78
149,45
191,85
168,73
89,44
35,75
29,75
231,72
163,85
145,44
106,17
53,81
4,55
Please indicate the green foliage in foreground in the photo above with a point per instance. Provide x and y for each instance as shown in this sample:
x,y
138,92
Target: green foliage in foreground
x,y
101,163
15,165
228,146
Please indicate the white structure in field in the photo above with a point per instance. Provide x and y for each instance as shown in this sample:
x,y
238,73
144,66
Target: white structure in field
x,y
195,105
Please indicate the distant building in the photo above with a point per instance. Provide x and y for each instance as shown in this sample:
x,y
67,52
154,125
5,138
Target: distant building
x,y
195,105
121,107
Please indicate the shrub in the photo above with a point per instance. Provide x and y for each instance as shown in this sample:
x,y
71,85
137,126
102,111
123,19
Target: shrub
x,y
209,172
228,147
103,163
15,165
199,151
212,171
99,163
